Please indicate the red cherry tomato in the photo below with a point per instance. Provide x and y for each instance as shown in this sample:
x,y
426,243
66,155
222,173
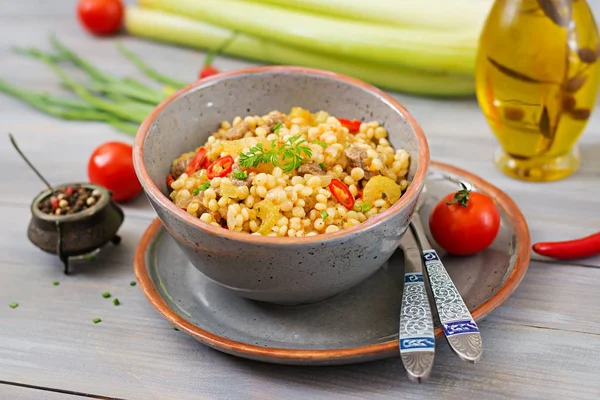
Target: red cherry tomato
x,y
468,225
341,193
220,167
353,125
101,17
207,71
111,166
196,162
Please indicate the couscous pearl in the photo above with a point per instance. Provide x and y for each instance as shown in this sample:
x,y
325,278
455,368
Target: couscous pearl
x,y
357,173
261,191
286,206
298,212
379,203
332,229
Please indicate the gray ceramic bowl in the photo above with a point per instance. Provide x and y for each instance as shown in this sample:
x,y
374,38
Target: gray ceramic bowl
x,y
272,269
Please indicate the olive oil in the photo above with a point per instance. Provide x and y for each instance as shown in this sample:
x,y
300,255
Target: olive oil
x,y
537,80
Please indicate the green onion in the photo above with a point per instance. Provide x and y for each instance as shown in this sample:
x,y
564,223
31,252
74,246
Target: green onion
x,y
96,320
202,187
322,144
14,304
164,27
324,214
132,283
116,302
151,73
322,166
364,207
239,174
106,295
56,283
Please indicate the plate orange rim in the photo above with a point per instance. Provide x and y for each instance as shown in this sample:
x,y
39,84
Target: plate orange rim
x,y
510,284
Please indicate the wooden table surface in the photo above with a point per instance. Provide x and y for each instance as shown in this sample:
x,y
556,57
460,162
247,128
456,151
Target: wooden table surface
x,y
543,343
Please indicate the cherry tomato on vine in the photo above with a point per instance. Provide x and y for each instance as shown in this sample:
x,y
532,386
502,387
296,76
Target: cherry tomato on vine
x,y
111,166
101,17
465,222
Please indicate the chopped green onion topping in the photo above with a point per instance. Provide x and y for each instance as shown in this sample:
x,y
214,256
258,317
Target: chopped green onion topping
x,y
365,207
106,295
322,144
322,166
241,175
277,128
96,320
14,304
116,302
56,283
202,187
324,214
132,283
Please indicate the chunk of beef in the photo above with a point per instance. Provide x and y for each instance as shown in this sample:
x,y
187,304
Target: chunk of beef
x,y
356,157
179,165
238,131
199,197
310,168
272,119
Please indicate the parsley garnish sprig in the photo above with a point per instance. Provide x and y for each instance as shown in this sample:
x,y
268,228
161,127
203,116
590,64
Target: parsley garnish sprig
x,y
292,154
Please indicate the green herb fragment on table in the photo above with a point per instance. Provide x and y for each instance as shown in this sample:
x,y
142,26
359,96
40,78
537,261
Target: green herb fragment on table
x,y
175,329
132,283
106,295
56,283
14,304
96,320
116,302
290,153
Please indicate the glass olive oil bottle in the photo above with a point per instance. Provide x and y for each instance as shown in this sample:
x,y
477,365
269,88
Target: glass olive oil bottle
x,y
537,80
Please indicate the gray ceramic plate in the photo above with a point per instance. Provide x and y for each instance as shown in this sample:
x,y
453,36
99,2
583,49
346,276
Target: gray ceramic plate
x,y
356,326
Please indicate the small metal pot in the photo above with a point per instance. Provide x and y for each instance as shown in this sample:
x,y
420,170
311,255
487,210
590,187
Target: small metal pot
x,y
79,233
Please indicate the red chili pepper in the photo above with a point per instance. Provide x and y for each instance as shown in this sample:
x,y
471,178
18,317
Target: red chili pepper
x,y
54,202
170,180
207,71
205,163
220,167
577,248
353,125
196,162
341,193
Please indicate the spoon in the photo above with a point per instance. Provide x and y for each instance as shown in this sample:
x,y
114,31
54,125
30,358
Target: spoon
x,y
458,324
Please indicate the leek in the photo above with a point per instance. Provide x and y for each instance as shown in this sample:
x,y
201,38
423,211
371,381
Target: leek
x,y
447,15
174,29
415,48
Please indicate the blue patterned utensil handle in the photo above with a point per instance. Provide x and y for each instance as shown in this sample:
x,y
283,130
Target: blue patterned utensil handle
x,y
458,324
417,339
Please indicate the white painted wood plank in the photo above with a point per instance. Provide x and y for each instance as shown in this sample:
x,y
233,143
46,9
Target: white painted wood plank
x,y
24,393
542,344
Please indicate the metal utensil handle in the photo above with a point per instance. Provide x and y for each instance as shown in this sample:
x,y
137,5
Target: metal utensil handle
x,y
457,322
417,339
